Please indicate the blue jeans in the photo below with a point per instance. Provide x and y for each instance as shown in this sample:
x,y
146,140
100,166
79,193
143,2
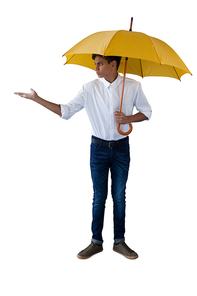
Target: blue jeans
x,y
117,161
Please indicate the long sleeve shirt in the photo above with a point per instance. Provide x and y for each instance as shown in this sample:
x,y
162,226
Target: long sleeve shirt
x,y
101,100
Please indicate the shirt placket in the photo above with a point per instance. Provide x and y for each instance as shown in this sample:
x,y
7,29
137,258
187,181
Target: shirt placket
x,y
111,108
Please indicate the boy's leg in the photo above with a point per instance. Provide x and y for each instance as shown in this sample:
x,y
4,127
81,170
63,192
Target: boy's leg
x,y
119,175
99,170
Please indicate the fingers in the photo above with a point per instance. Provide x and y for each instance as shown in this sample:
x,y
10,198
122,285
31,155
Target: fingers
x,y
119,114
120,117
26,95
20,94
32,91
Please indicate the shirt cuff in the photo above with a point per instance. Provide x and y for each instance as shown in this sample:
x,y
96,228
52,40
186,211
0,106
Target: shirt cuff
x,y
147,114
64,111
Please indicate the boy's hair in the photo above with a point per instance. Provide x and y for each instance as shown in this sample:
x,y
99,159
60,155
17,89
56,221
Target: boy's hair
x,y
109,59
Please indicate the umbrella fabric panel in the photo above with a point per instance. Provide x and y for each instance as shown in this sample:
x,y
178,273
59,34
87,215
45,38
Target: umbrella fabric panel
x,y
95,43
167,55
146,68
132,44
84,60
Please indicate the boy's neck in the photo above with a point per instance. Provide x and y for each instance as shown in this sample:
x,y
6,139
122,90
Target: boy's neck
x,y
111,79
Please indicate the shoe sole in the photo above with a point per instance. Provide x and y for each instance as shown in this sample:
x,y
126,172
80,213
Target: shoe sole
x,y
82,257
125,255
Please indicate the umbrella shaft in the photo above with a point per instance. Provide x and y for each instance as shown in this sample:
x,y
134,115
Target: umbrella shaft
x,y
125,69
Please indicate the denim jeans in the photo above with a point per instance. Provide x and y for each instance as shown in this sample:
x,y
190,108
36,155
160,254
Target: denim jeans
x,y
117,161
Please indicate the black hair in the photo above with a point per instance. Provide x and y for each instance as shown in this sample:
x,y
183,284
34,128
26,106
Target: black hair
x,y
109,59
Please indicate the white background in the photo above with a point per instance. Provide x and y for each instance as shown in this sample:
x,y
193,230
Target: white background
x,y
46,189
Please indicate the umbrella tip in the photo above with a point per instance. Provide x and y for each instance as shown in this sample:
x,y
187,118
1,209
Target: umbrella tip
x,y
131,24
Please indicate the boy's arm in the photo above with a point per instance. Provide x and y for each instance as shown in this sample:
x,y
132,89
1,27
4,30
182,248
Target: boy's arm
x,y
34,97
123,119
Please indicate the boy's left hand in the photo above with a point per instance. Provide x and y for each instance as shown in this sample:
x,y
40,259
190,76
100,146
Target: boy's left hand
x,y
120,117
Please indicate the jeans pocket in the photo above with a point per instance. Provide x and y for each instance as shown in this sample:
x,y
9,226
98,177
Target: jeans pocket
x,y
95,146
125,148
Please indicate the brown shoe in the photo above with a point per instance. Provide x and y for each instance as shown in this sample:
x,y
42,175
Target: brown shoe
x,y
91,250
124,250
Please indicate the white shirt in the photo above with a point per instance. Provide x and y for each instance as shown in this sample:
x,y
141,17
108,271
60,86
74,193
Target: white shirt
x,y
101,100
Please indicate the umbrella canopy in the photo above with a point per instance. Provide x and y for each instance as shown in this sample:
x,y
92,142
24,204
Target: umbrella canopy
x,y
147,56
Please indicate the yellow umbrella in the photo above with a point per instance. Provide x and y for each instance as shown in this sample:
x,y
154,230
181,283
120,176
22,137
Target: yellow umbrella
x,y
143,55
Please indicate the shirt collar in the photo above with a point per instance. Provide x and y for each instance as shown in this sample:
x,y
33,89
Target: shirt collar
x,y
115,83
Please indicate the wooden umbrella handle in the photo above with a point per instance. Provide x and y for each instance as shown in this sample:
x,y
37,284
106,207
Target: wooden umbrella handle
x,y
124,133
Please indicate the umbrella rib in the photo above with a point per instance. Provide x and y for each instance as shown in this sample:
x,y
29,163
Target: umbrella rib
x,y
110,41
176,73
155,50
66,58
141,68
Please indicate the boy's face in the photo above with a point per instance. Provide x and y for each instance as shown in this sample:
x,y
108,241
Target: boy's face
x,y
104,69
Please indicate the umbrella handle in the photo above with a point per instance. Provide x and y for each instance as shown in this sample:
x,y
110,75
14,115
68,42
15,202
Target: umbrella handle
x,y
124,133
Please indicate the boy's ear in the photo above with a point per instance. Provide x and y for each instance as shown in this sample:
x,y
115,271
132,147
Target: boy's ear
x,y
114,63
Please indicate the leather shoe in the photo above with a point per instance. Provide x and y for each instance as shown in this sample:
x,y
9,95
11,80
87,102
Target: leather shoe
x,y
124,250
91,250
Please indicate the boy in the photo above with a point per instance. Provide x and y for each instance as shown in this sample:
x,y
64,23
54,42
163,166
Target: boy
x,y
109,149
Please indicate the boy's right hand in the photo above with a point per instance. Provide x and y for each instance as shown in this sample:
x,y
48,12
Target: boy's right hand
x,y
31,96
34,97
